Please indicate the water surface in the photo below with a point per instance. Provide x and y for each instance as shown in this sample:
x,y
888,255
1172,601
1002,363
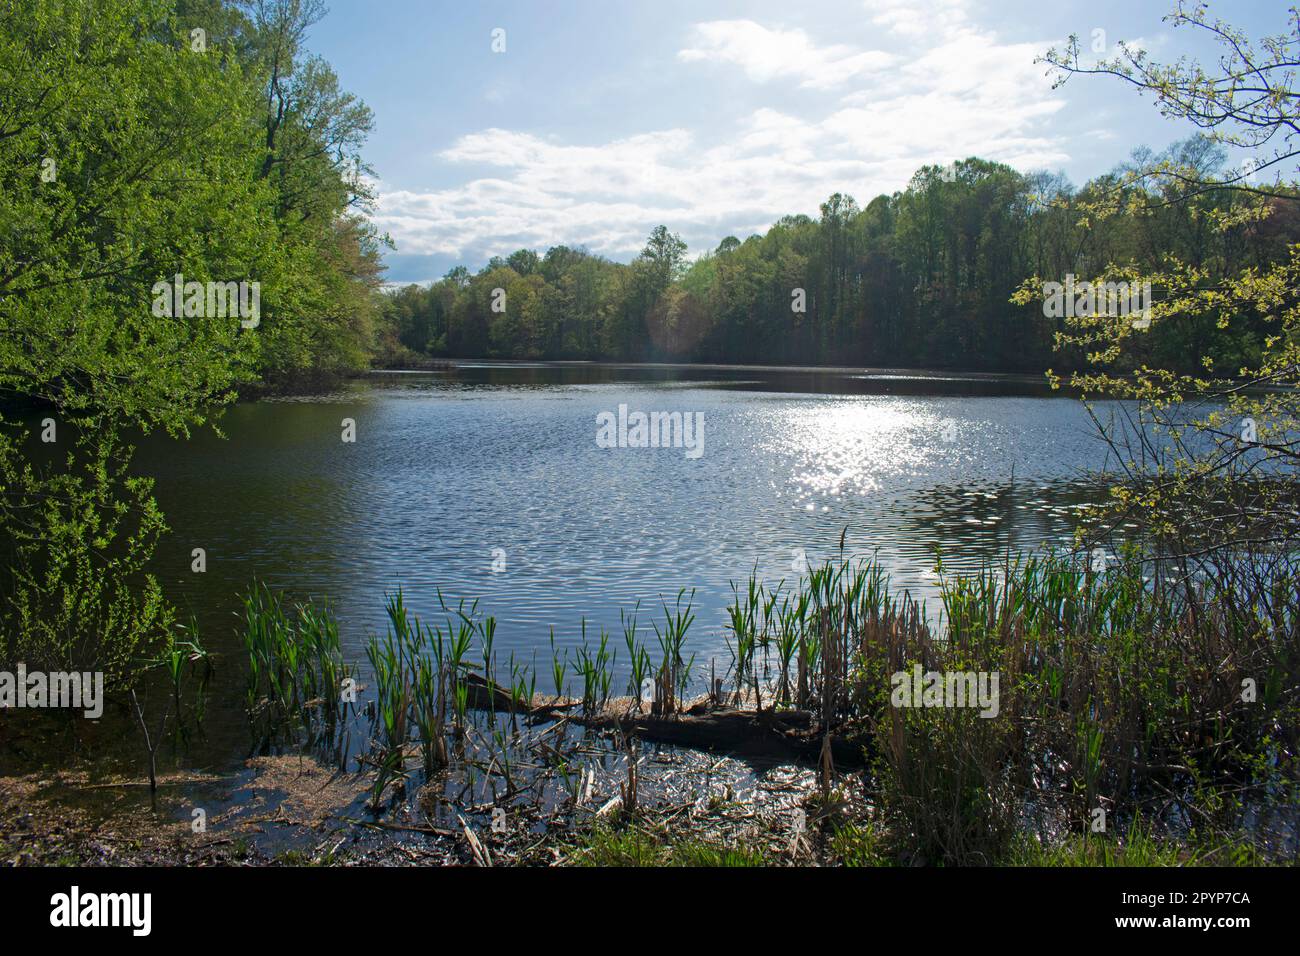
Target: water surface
x,y
455,475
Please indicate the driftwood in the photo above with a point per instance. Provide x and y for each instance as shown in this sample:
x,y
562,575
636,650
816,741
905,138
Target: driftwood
x,y
732,730
484,694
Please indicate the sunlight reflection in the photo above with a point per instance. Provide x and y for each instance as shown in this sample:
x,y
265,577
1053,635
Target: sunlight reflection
x,y
858,446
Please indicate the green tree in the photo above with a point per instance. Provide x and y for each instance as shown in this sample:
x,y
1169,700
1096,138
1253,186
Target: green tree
x,y
1210,455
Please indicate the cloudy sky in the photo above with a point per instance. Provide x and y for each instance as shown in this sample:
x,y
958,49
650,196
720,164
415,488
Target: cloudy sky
x,y
604,118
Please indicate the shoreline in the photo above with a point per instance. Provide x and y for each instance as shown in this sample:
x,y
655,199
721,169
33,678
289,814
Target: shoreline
x,y
896,371
479,769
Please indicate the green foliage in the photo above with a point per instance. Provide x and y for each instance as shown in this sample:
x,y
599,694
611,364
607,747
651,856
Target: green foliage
x,y
128,156
1211,447
1116,689
919,278
153,158
296,668
858,845
133,150
1138,845
633,846
75,595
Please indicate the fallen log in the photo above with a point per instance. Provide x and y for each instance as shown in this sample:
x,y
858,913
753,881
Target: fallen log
x,y
767,733
484,694
741,732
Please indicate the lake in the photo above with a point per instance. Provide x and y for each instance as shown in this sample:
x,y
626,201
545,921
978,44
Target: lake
x,y
487,482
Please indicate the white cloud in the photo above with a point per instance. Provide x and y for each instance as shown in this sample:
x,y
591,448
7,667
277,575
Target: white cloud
x,y
767,54
955,91
606,197
917,19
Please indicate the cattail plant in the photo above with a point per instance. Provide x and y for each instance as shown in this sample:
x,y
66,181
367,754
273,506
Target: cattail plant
x,y
639,657
674,670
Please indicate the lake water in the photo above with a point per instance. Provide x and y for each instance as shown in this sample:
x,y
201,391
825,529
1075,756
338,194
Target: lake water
x,y
488,482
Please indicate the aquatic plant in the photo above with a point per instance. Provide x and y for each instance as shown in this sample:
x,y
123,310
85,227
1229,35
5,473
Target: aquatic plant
x,y
639,661
1127,690
296,666
674,668
595,670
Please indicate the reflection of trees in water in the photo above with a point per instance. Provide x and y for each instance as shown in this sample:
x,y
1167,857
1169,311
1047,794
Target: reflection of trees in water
x,y
469,375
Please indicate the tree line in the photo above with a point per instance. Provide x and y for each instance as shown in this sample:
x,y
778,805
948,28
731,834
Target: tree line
x,y
922,278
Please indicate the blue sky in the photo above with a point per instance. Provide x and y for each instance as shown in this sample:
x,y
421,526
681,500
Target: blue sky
x,y
604,118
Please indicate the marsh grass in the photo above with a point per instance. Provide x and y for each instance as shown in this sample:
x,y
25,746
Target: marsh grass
x,y
639,661
742,615
1137,845
1139,694
859,845
296,667
1120,690
637,846
596,670
188,667
559,669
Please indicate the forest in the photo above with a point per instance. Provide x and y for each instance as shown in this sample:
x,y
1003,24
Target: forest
x,y
920,278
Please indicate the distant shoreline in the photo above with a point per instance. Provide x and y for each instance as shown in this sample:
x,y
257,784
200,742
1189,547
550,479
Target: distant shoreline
x,y
875,371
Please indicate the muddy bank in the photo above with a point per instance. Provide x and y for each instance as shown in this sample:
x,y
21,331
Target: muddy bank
x,y
720,770
291,810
